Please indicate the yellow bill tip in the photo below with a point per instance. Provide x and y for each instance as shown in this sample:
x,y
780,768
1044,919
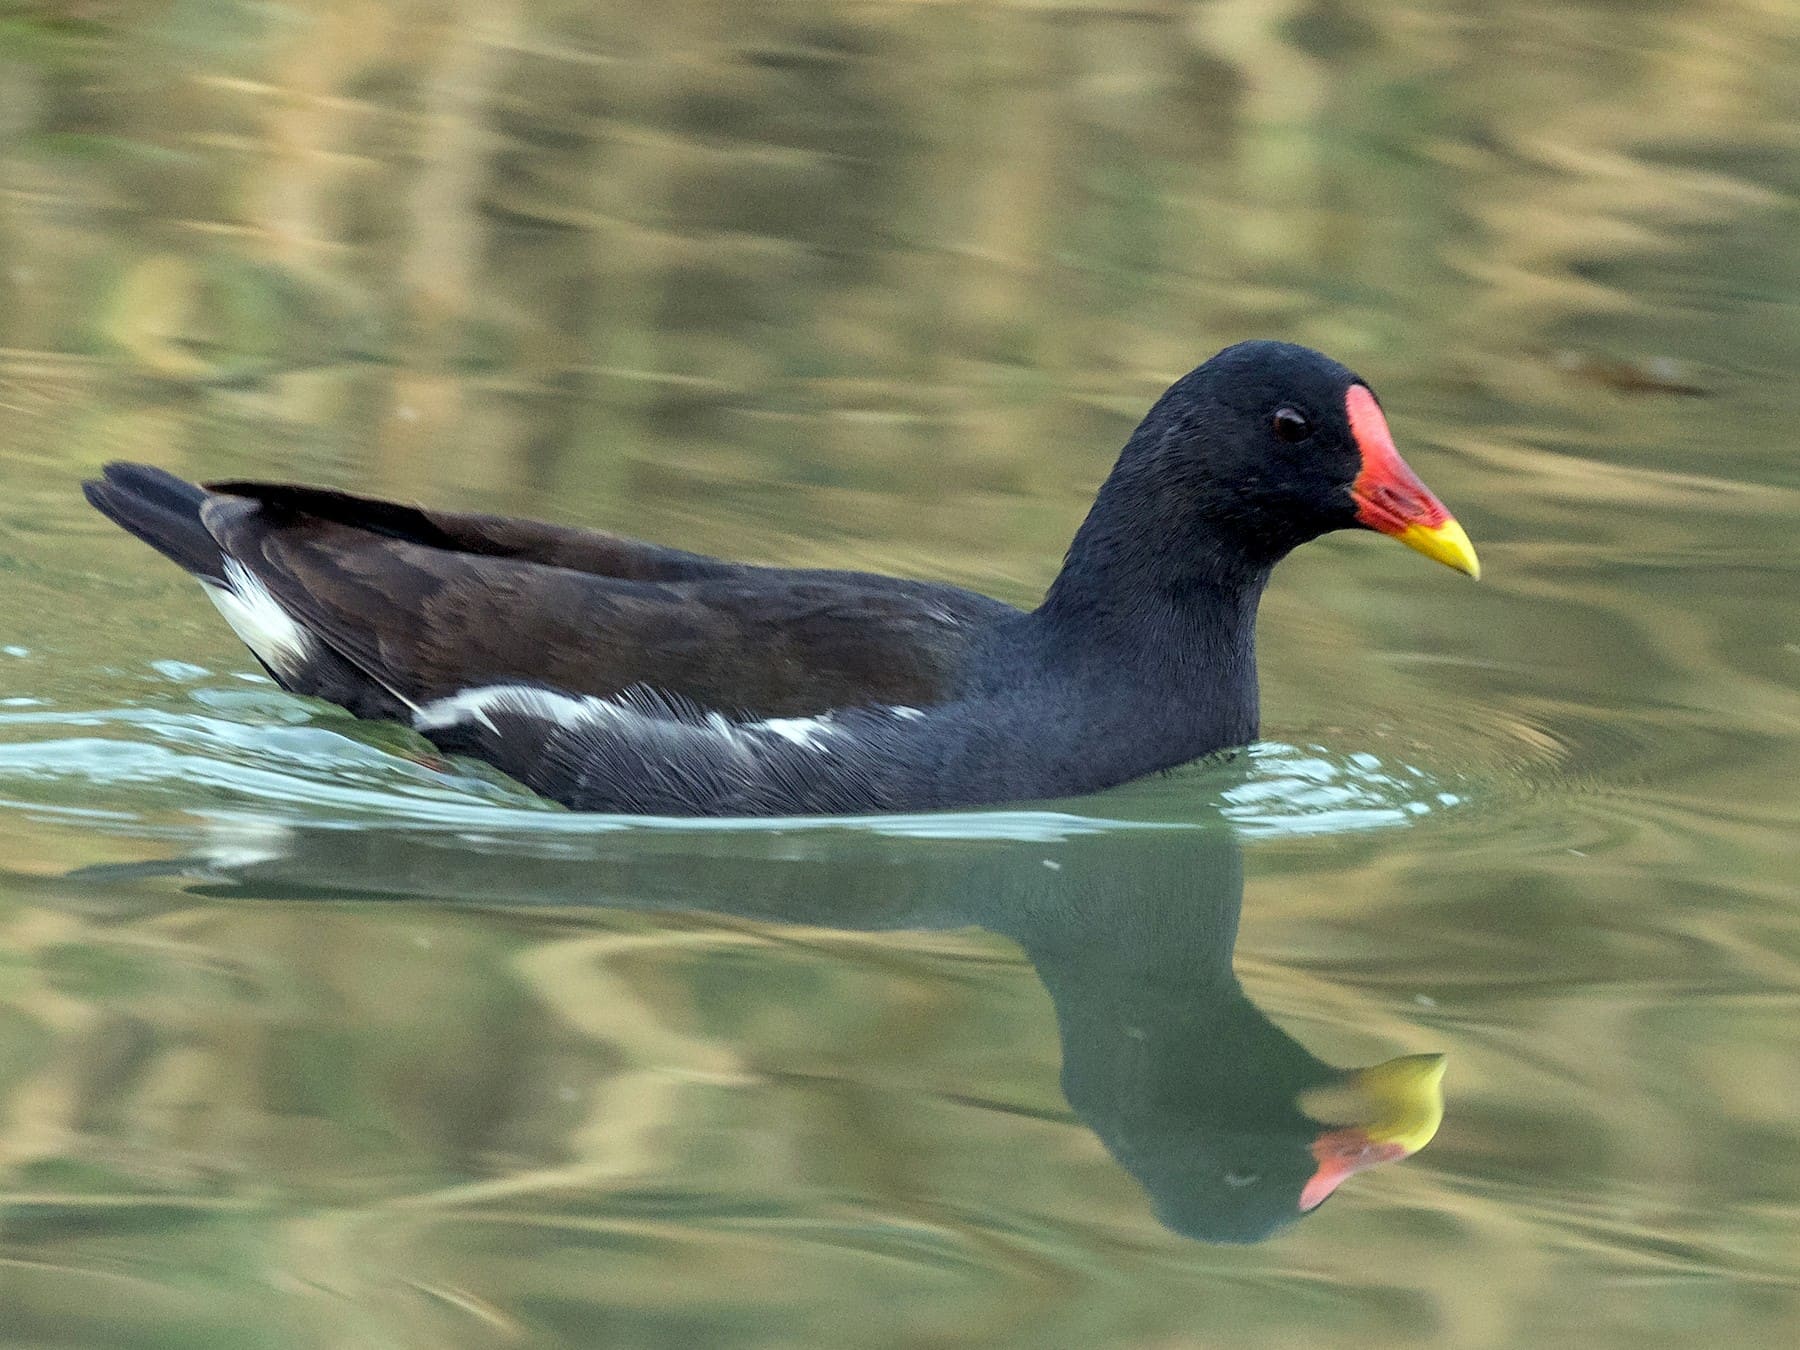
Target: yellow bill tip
x,y
1447,543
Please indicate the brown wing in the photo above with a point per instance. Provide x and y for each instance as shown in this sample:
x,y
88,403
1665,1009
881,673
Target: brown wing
x,y
427,605
579,550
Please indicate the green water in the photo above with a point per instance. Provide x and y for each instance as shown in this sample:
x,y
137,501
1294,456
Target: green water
x,y
309,1039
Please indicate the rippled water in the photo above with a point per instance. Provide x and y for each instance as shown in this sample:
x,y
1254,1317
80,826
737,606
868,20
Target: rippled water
x,y
309,1037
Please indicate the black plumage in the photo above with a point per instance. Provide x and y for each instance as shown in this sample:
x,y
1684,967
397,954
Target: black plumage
x,y
616,675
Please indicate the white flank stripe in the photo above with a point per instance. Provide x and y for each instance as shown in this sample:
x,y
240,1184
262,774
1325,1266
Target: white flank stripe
x,y
807,732
474,705
629,713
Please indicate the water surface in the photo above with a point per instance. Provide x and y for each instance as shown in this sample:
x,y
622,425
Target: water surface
x,y
310,1038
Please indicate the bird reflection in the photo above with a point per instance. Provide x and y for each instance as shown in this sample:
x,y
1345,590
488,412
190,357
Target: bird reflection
x,y
1231,1126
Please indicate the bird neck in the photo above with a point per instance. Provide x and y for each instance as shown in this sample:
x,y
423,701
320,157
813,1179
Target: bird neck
x,y
1155,609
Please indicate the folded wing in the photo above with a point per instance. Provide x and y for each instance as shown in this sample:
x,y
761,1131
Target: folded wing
x,y
385,608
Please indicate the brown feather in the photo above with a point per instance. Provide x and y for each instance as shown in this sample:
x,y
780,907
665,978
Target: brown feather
x,y
429,604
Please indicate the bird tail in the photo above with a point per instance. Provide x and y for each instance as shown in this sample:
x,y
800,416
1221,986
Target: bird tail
x,y
162,510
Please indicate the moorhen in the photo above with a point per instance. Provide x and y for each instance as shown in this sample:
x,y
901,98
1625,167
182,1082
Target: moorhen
x,y
613,675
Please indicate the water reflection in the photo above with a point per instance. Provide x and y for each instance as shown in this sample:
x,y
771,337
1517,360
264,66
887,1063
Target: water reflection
x,y
1233,1128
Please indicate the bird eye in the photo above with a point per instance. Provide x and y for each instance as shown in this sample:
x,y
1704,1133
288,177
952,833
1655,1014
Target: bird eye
x,y
1290,426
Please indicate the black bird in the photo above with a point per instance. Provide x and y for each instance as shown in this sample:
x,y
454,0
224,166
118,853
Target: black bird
x,y
1232,1127
613,675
